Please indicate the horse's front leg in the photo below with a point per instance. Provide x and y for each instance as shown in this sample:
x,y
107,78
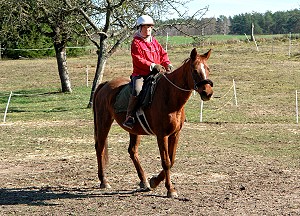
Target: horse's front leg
x,y
133,152
167,162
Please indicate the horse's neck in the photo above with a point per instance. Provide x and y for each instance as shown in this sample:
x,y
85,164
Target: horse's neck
x,y
176,86
180,77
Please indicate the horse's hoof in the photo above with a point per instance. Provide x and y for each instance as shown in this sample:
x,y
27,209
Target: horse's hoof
x,y
145,186
172,194
105,186
153,185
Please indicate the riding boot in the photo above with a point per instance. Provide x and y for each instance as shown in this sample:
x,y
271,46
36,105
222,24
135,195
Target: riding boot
x,y
129,122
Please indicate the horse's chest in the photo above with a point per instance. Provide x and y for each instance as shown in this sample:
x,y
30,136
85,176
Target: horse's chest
x,y
175,120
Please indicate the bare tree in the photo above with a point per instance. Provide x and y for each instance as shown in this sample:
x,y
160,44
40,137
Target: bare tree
x,y
114,22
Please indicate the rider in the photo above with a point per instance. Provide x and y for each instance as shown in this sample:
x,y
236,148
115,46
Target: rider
x,y
148,57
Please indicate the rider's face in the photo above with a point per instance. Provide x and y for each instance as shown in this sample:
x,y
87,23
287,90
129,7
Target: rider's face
x,y
146,30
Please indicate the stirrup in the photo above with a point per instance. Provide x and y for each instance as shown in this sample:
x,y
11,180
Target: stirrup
x,y
129,122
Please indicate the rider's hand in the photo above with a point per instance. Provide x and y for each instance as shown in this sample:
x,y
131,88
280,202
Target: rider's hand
x,y
169,68
158,69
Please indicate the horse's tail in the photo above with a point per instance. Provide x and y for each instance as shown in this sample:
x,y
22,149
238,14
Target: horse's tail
x,y
96,122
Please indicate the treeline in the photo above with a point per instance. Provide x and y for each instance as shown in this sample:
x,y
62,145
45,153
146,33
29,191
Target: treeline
x,y
268,23
281,22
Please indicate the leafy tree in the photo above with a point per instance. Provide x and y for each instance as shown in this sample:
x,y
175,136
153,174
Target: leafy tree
x,y
268,22
280,25
38,23
18,30
258,21
293,22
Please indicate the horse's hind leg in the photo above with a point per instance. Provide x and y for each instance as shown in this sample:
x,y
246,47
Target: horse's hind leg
x,y
133,152
102,127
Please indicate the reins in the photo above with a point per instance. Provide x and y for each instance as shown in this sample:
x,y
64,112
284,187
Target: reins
x,y
187,90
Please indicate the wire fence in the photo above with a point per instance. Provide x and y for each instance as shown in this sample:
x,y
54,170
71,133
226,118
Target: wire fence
x,y
291,41
292,46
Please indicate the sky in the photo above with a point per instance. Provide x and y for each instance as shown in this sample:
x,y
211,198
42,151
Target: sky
x,y
235,7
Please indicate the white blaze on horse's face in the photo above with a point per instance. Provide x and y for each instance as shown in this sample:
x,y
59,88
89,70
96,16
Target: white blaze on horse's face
x,y
203,70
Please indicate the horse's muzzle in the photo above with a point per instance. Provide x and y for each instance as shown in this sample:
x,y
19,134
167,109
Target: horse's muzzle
x,y
204,82
207,89
205,96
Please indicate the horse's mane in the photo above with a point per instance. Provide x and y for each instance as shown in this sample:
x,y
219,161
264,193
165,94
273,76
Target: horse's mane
x,y
186,60
183,63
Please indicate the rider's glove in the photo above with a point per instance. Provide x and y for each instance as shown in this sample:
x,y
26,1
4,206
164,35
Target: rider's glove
x,y
158,69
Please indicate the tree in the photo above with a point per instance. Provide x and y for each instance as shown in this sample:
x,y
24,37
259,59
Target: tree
x,y
268,22
18,30
114,22
49,19
223,24
62,23
293,22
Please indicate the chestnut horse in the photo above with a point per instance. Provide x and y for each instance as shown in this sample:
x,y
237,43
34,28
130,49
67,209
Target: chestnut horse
x,y
165,117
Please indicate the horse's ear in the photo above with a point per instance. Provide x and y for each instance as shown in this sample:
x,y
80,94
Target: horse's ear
x,y
207,55
194,54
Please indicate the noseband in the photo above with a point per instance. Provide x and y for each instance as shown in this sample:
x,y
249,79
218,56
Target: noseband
x,y
200,83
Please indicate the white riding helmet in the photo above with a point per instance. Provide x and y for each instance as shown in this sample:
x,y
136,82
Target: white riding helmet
x,y
144,20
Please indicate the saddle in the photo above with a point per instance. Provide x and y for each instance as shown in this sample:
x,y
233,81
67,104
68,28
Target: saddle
x,y
145,97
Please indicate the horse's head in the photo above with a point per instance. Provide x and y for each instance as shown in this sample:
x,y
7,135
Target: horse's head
x,y
200,73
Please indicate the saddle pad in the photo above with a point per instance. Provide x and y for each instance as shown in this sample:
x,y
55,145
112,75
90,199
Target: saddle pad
x,y
122,99
145,97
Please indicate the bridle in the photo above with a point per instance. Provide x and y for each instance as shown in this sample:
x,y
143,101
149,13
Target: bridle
x,y
196,84
202,82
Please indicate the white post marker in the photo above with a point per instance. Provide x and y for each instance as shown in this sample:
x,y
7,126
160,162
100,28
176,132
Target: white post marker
x,y
297,111
290,44
234,92
6,109
201,110
167,42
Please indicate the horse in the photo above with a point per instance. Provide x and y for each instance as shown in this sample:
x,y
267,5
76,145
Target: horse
x,y
165,116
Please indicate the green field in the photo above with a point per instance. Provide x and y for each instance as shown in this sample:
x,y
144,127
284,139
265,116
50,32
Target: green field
x,y
220,39
241,160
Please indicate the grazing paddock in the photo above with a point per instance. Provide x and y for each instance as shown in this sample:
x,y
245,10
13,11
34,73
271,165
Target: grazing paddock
x,y
241,160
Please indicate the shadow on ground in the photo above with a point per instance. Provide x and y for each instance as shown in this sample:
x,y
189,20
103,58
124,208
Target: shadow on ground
x,y
42,196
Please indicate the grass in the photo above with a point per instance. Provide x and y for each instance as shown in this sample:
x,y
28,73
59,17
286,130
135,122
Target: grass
x,y
47,144
265,81
47,104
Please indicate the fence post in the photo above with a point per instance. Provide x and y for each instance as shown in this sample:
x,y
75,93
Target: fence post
x,y
234,92
167,42
290,44
201,110
6,109
297,111
87,76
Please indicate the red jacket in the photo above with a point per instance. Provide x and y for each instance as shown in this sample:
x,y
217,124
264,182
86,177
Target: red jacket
x,y
145,53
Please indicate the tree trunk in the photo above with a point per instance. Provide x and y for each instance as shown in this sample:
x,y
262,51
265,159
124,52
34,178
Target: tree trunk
x,y
61,58
102,58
